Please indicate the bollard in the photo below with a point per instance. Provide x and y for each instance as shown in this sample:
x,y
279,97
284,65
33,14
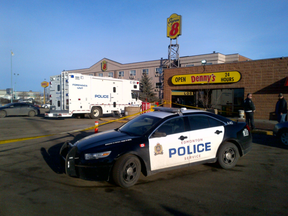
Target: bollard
x,y
96,126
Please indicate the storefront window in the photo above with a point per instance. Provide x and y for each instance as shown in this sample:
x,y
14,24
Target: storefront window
x,y
226,101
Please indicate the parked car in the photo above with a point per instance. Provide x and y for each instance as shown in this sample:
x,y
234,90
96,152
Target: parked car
x,y
157,141
19,109
280,131
46,106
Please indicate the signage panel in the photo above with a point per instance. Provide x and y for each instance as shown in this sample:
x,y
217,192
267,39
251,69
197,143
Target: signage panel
x,y
104,66
207,78
182,93
44,84
174,27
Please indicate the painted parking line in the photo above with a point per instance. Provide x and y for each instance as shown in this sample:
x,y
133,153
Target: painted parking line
x,y
23,139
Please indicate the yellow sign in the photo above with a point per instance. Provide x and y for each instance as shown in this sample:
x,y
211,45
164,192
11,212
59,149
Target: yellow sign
x,y
44,84
104,66
182,93
174,27
207,78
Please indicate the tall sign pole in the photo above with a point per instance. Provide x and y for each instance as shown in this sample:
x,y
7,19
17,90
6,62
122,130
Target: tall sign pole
x,y
44,84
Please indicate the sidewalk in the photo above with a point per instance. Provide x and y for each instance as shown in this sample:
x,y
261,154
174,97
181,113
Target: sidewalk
x,y
262,126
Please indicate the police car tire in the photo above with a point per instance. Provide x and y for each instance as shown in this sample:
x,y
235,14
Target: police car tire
x,y
228,155
283,137
126,171
97,111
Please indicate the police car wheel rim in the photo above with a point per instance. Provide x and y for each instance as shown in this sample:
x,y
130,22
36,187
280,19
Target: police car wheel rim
x,y
130,172
284,138
229,156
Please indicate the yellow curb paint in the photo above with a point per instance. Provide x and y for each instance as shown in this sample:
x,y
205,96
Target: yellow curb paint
x,y
23,139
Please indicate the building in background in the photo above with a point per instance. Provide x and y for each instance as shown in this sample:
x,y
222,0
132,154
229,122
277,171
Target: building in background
x,y
134,71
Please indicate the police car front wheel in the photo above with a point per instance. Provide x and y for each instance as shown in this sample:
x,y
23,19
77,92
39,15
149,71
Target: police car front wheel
x,y
126,171
228,155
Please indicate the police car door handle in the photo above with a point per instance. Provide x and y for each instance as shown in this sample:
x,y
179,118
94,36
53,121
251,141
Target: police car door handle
x,y
218,132
182,137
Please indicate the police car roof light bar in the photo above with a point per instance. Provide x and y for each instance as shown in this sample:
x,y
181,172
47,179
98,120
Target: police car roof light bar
x,y
170,110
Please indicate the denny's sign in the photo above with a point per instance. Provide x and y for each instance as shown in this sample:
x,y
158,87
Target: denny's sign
x,y
207,78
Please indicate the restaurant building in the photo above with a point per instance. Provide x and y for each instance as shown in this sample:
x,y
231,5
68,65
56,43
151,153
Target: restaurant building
x,y
225,86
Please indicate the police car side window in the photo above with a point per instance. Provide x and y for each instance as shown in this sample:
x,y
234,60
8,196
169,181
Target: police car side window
x,y
198,122
172,126
215,123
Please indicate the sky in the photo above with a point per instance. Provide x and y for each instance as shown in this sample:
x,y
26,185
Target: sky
x,y
49,36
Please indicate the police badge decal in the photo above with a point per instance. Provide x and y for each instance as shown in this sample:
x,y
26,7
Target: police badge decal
x,y
158,149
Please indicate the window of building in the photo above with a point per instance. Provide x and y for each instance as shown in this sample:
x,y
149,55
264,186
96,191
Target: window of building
x,y
189,65
121,74
100,74
110,74
145,71
158,70
132,72
158,85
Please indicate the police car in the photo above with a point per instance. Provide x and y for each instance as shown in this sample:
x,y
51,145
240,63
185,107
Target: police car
x,y
167,138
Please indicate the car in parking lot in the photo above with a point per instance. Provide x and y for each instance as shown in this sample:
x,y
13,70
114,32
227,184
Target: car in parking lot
x,y
19,109
167,138
46,106
280,131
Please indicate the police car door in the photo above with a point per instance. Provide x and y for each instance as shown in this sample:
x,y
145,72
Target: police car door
x,y
167,146
205,137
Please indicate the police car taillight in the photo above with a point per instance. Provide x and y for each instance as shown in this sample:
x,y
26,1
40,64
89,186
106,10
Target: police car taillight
x,y
248,128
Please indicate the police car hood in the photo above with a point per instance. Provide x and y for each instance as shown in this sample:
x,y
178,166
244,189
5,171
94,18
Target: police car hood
x,y
107,137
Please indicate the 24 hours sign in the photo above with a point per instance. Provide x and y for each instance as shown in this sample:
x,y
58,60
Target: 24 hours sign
x,y
207,78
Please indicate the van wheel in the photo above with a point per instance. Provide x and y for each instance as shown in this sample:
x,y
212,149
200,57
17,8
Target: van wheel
x,y
126,171
228,155
96,112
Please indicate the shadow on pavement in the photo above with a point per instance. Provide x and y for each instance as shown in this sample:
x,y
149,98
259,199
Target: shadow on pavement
x,y
267,140
52,157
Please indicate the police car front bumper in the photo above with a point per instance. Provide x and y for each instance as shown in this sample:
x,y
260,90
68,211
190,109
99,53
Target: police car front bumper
x,y
75,168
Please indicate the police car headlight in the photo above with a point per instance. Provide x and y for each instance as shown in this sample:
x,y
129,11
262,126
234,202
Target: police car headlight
x,y
92,156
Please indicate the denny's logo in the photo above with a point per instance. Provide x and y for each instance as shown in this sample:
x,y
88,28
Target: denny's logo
x,y
207,78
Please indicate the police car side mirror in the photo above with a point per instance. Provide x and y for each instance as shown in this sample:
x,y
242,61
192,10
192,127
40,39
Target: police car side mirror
x,y
159,134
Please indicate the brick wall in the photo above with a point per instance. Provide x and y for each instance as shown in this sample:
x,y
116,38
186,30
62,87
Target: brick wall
x,y
264,78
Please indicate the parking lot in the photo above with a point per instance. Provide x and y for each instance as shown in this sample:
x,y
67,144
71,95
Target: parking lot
x,y
33,181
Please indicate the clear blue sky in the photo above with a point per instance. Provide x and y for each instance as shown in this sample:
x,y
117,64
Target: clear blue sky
x,y
49,36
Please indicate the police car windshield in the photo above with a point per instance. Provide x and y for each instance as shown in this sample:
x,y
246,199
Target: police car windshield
x,y
140,125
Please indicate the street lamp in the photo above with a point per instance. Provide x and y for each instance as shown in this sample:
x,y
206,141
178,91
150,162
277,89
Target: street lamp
x,y
204,62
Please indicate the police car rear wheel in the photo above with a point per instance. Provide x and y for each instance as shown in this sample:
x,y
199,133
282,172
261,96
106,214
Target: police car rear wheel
x,y
284,137
126,171
228,155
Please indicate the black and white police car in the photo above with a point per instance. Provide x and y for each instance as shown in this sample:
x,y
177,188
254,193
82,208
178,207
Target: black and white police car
x,y
167,138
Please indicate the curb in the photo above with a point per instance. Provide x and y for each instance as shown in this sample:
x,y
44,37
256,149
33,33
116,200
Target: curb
x,y
265,132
